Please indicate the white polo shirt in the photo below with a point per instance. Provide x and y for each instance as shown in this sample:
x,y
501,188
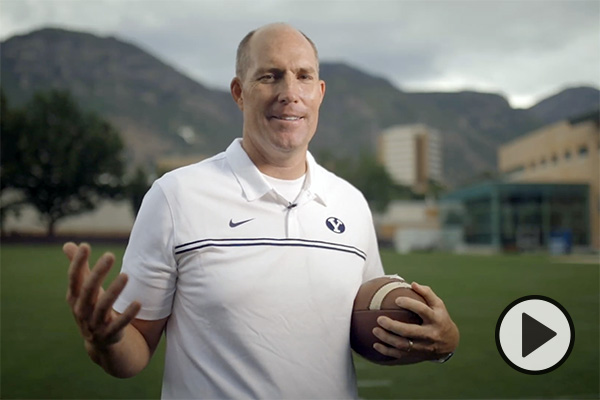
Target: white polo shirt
x,y
259,293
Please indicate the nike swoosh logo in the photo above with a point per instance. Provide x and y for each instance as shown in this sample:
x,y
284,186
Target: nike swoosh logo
x,y
236,224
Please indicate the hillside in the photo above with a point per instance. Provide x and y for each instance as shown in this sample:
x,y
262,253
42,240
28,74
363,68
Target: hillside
x,y
566,104
160,111
358,106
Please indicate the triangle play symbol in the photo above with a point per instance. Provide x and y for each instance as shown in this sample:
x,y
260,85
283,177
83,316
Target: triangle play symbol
x,y
534,334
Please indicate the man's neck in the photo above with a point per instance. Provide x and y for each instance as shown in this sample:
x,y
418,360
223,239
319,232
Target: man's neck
x,y
291,165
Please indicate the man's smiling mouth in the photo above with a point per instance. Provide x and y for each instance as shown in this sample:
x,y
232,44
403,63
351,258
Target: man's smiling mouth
x,y
286,117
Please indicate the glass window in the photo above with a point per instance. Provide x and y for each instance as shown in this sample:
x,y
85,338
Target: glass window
x,y
478,224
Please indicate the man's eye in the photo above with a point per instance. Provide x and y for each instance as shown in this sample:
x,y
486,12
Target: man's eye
x,y
267,77
305,77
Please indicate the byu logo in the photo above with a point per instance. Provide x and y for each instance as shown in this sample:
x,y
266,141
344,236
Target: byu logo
x,y
335,225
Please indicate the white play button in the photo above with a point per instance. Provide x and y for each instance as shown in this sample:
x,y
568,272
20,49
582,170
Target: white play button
x,y
535,334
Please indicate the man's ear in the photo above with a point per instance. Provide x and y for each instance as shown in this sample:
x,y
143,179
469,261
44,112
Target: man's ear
x,y
322,87
236,92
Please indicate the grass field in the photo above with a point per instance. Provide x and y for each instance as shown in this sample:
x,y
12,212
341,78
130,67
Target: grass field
x,y
43,357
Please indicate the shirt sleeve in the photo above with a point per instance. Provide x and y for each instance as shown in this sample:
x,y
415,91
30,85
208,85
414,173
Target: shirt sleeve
x,y
149,259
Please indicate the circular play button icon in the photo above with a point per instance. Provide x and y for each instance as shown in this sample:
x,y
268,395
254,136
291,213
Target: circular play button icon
x,y
535,334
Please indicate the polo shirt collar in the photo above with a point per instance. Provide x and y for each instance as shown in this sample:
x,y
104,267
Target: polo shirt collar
x,y
246,173
315,180
255,186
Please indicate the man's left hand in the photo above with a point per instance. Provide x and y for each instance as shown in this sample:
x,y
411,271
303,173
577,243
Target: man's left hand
x,y
437,337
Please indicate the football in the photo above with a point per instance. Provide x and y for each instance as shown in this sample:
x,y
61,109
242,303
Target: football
x,y
375,298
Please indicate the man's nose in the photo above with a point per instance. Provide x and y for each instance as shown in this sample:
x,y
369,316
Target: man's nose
x,y
289,90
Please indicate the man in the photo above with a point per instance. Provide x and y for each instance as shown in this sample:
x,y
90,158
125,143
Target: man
x,y
250,260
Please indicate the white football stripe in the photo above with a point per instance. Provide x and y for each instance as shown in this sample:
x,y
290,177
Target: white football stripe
x,y
383,291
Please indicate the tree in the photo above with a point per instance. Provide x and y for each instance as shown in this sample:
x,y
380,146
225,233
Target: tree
x,y
9,202
136,189
62,160
435,189
370,177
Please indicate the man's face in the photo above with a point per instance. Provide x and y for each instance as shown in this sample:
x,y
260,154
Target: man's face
x,y
280,93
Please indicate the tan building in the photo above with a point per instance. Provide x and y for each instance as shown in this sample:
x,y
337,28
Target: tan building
x,y
409,225
564,152
412,155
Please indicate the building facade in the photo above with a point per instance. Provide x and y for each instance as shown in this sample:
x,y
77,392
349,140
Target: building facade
x,y
412,155
566,152
500,216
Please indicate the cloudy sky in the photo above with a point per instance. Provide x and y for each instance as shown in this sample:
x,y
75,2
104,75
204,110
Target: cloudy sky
x,y
525,50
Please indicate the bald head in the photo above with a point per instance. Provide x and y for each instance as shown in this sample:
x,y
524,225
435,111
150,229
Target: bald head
x,y
242,60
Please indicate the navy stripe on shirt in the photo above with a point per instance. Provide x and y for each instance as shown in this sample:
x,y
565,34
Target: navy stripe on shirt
x,y
247,242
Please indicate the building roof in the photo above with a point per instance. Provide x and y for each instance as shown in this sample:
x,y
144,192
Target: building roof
x,y
593,115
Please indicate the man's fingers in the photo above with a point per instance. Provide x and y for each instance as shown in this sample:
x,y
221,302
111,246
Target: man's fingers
x,y
398,342
123,320
70,249
92,284
78,268
389,339
91,305
403,329
430,297
105,302
416,306
388,351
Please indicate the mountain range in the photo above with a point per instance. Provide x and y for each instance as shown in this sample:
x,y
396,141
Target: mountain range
x,y
162,112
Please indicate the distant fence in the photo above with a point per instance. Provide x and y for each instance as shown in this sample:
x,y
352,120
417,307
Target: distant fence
x,y
25,238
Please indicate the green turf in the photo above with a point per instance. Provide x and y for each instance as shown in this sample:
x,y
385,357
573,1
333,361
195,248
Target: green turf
x,y
476,289
42,351
43,357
